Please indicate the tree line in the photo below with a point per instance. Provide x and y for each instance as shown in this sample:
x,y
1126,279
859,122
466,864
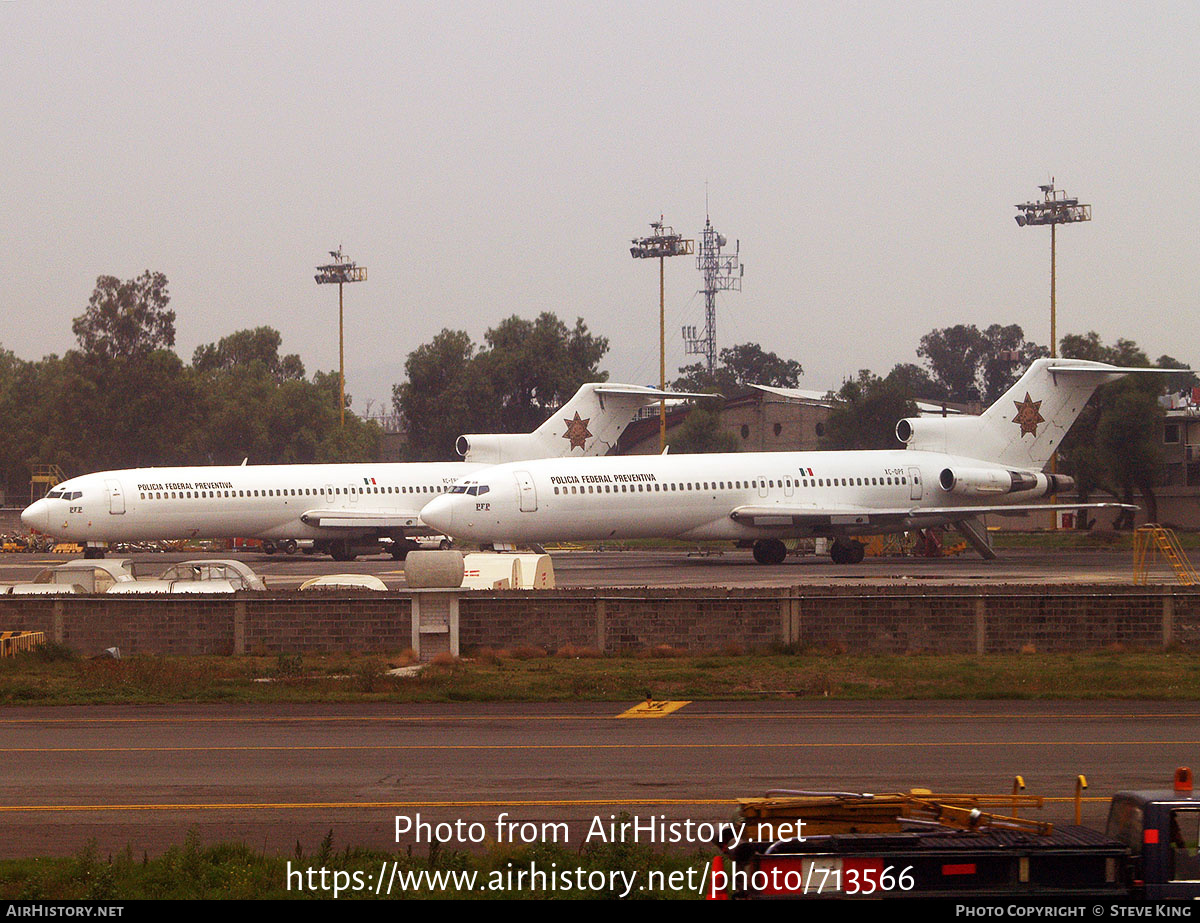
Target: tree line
x,y
122,398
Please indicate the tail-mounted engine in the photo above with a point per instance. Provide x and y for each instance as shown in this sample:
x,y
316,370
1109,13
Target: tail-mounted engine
x,y
977,482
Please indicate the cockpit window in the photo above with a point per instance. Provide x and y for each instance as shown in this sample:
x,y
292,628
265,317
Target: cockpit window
x,y
458,489
54,495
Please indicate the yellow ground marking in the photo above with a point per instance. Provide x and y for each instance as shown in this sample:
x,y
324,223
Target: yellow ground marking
x,y
376,805
652,709
390,805
698,715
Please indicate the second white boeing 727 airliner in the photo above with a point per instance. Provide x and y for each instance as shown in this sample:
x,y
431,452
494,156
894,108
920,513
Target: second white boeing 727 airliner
x,y
346,509
952,470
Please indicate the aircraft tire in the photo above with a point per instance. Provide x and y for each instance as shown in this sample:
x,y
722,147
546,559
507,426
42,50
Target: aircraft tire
x,y
401,548
269,547
289,546
770,551
340,551
847,552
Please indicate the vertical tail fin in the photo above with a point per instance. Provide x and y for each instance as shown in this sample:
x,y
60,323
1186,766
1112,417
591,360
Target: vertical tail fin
x,y
588,424
1027,424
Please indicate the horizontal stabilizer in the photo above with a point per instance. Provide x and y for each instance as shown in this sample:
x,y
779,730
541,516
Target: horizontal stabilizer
x,y
648,392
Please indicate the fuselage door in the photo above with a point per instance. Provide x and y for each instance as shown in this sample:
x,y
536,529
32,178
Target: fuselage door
x,y
352,491
914,483
526,492
762,486
116,499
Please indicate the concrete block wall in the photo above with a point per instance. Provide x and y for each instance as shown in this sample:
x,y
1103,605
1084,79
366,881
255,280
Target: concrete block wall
x,y
852,619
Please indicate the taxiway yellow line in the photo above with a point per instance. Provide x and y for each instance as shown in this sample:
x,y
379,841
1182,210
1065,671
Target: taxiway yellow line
x,y
745,745
687,715
392,805
377,805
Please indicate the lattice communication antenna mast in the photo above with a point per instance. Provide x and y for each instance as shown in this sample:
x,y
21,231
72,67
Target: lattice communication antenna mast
x,y
722,273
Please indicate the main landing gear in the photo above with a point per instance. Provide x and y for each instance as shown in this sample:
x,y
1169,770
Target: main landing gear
x,y
843,551
401,548
340,550
847,551
769,551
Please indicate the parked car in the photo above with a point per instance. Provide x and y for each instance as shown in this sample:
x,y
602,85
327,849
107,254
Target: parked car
x,y
82,575
345,582
205,575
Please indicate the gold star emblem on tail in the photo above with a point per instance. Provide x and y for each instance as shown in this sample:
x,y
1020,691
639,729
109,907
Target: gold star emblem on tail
x,y
577,431
1028,415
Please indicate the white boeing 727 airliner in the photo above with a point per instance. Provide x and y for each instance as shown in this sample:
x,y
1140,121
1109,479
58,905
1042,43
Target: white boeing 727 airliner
x,y
952,470
344,508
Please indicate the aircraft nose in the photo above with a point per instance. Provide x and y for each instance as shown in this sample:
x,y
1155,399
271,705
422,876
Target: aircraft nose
x,y
37,515
438,513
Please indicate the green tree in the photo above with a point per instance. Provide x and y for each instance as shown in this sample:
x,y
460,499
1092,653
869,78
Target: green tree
x,y
245,347
739,367
249,413
917,383
20,402
867,410
1007,355
970,365
527,369
701,431
953,355
536,366
443,396
1113,446
126,320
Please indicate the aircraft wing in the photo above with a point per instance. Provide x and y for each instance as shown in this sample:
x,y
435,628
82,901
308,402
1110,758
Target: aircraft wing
x,y
901,517
365,518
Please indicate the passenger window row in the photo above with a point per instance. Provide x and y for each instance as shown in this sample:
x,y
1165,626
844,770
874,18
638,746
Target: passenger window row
x,y
769,483
290,492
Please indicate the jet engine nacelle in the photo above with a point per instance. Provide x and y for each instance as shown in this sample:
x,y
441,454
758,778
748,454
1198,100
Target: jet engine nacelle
x,y
495,448
977,482
929,433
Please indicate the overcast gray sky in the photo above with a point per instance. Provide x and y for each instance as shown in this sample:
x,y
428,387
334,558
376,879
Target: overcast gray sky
x,y
483,160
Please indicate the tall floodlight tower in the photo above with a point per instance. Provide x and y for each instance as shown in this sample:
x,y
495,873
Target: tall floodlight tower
x,y
341,271
721,274
662,243
1055,208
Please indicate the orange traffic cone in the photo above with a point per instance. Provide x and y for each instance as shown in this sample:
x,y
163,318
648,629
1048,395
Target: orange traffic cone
x,y
718,868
